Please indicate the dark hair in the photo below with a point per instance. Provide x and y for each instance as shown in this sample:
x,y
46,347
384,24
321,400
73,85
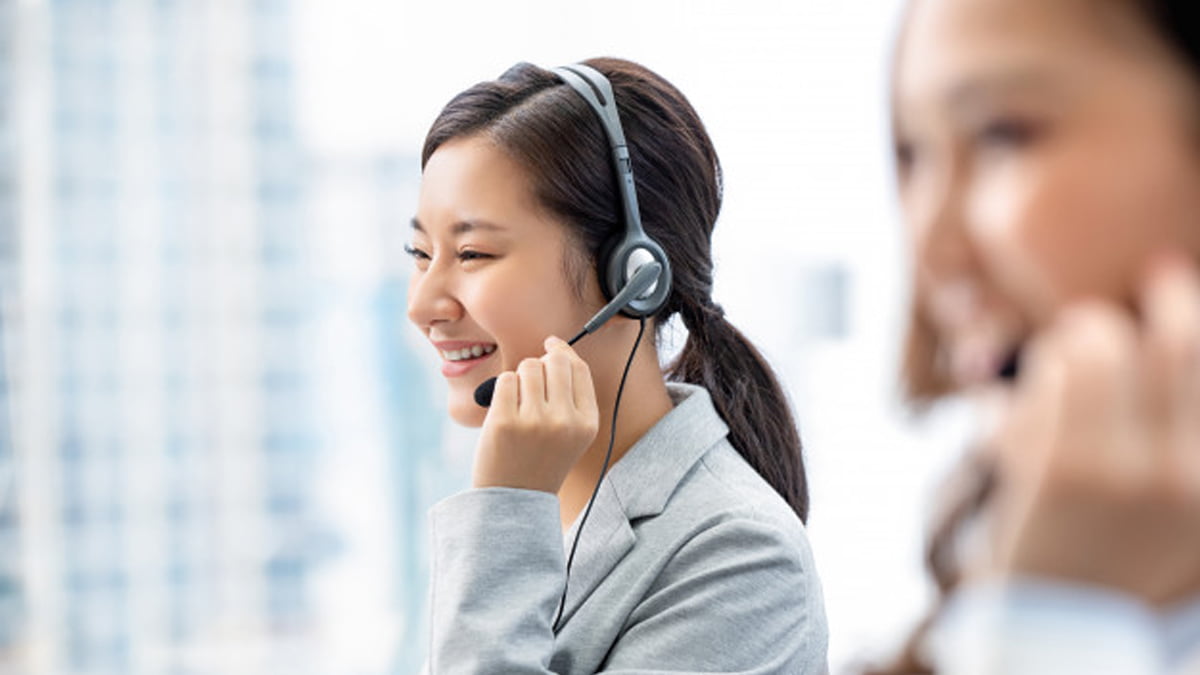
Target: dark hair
x,y
548,129
1172,21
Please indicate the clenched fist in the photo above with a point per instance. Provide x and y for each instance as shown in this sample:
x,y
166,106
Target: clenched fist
x,y
542,419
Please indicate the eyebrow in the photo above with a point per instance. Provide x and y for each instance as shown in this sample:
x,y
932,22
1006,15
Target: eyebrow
x,y
980,85
463,226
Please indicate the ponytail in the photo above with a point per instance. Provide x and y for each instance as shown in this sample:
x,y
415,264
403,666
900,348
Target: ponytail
x,y
747,395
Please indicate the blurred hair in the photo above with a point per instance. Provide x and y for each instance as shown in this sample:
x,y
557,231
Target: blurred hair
x,y
549,130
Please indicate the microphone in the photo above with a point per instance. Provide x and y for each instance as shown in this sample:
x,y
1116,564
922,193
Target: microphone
x,y
645,277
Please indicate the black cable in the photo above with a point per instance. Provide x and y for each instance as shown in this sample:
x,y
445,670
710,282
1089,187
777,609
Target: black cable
x,y
612,436
575,339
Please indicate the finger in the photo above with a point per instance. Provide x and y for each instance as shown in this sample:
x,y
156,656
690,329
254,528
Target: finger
x,y
1171,306
1051,394
557,363
1096,348
1030,415
505,397
1171,358
532,385
582,386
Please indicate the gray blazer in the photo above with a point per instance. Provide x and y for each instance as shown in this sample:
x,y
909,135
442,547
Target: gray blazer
x,y
689,563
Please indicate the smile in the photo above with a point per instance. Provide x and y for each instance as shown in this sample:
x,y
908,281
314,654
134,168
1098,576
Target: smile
x,y
461,357
467,353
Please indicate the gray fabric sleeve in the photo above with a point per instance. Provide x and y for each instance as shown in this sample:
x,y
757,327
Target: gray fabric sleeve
x,y
498,570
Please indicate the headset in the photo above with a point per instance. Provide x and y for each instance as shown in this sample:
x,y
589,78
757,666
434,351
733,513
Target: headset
x,y
635,274
625,253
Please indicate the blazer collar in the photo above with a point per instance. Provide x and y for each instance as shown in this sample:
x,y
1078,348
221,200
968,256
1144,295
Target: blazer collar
x,y
648,474
640,485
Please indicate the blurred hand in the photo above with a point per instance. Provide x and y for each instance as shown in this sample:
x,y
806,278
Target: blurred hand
x,y
1099,456
542,419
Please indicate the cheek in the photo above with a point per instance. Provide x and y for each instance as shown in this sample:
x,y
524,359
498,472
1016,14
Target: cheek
x,y
1068,226
519,311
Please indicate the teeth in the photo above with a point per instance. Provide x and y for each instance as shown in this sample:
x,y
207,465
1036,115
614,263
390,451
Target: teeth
x,y
465,353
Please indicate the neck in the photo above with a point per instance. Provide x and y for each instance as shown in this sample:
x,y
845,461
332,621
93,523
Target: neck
x,y
644,401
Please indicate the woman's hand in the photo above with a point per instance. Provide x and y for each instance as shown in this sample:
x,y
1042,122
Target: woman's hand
x,y
1099,458
542,419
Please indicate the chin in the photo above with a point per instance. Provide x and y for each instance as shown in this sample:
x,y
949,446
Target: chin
x,y
464,410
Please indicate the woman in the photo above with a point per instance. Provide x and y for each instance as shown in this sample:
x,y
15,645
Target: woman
x,y
1049,168
693,555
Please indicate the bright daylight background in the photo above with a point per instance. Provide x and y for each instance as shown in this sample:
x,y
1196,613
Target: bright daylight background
x,y
218,433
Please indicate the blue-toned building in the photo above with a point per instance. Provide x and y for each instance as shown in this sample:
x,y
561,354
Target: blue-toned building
x,y
11,591
173,428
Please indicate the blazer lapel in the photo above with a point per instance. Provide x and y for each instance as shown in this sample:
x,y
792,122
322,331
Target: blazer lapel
x,y
606,538
639,486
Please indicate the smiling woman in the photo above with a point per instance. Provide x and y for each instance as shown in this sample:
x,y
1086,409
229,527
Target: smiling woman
x,y
695,557
476,212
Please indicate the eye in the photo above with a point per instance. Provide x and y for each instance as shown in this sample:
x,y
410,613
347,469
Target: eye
x,y
419,256
1009,133
467,255
905,155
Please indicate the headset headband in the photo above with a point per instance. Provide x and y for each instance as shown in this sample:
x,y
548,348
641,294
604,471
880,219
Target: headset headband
x,y
596,90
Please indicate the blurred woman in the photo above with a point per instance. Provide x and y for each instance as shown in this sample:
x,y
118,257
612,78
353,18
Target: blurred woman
x,y
1048,155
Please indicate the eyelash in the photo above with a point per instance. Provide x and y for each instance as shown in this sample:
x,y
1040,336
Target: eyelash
x,y
415,253
465,255
1008,132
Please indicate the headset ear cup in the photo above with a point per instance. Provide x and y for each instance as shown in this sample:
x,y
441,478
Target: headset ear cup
x,y
608,262
617,271
652,304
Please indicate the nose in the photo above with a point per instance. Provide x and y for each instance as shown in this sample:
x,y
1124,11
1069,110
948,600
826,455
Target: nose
x,y
942,241
431,300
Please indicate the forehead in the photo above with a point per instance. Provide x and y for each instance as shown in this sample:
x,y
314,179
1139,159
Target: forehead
x,y
471,180
947,41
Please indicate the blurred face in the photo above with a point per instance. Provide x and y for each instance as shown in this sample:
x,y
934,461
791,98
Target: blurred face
x,y
1046,150
489,285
